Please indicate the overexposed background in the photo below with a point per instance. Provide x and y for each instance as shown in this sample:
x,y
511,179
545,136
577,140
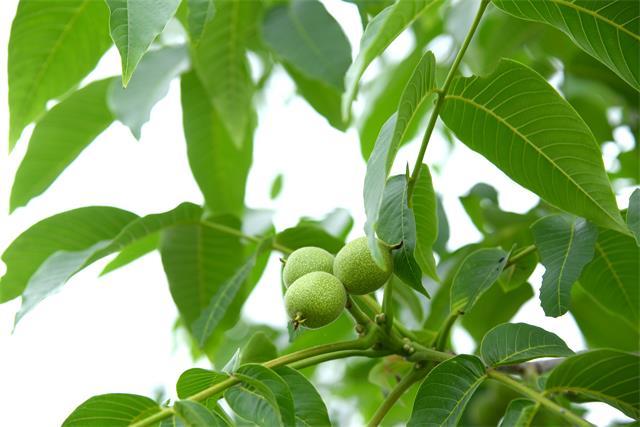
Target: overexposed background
x,y
114,334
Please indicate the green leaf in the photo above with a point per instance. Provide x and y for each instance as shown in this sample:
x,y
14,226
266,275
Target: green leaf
x,y
446,391
220,58
58,138
397,226
52,47
613,276
308,235
134,25
531,121
310,410
440,244
132,105
380,32
218,165
132,252
195,380
195,414
520,413
200,12
425,211
608,376
309,39
71,231
607,30
476,274
565,245
338,223
258,349
633,214
512,343
111,410
519,272
276,187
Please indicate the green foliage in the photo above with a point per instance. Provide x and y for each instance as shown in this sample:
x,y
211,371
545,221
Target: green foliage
x,y
425,210
194,414
111,410
520,413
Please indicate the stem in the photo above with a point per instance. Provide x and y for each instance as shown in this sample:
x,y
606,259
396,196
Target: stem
x,y
337,355
441,95
373,305
539,398
234,232
387,306
359,316
523,253
443,335
400,388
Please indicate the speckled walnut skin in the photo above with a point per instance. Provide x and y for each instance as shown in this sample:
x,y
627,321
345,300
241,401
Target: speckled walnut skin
x,y
357,270
315,300
306,260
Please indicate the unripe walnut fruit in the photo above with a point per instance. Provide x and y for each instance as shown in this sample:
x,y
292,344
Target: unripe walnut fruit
x,y
314,300
304,261
355,268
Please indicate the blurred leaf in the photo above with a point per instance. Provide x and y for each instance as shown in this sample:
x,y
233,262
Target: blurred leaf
x,y
590,25
445,392
518,273
310,410
513,343
71,231
539,124
479,197
132,252
338,223
520,413
58,138
407,300
195,380
440,244
426,215
218,165
308,235
195,414
388,372
112,410
629,165
608,376
132,105
258,349
52,47
309,39
134,25
200,12
565,245
633,214
276,187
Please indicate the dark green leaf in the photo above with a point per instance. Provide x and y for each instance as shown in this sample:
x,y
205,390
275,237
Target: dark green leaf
x,y
520,413
445,392
565,245
310,410
258,349
111,410
426,215
476,200
518,272
440,244
608,376
134,25
194,414
53,46
195,380
58,138
512,343
633,214
537,124
308,235
200,12
276,187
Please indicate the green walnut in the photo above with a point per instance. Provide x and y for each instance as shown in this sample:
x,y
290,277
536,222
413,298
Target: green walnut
x,y
355,268
306,260
314,300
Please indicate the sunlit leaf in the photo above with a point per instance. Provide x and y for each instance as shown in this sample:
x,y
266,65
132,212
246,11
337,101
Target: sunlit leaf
x,y
258,349
276,187
308,235
200,12
195,380
195,414
111,410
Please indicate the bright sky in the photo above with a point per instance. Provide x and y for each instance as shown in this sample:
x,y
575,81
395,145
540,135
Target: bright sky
x,y
114,334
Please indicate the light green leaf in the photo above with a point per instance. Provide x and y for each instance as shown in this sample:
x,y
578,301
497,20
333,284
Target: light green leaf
x,y
134,25
58,138
476,274
607,30
535,137
276,187
309,39
310,410
380,32
218,165
71,231
132,252
445,392
200,12
195,414
565,246
338,223
195,380
608,376
111,410
259,348
52,47
132,105
520,413
425,211
633,214
512,343
308,235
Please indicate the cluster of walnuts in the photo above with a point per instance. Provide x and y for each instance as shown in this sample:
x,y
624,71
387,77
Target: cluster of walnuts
x,y
317,283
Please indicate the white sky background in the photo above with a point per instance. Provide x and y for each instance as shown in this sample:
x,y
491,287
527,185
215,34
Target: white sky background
x,y
114,334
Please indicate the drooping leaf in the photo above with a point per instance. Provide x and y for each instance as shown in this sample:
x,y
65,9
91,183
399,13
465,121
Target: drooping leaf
x,y
71,231
134,25
309,39
565,245
111,410
58,138
195,414
608,376
52,47
607,30
380,32
200,12
633,214
425,211
512,343
531,121
476,274
218,165
445,392
310,410
520,413
258,349
308,235
397,226
132,105
195,380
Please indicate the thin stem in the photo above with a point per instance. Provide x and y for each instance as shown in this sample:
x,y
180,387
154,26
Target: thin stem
x,y
373,305
234,232
400,388
387,306
359,316
523,253
441,96
445,331
312,361
547,403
